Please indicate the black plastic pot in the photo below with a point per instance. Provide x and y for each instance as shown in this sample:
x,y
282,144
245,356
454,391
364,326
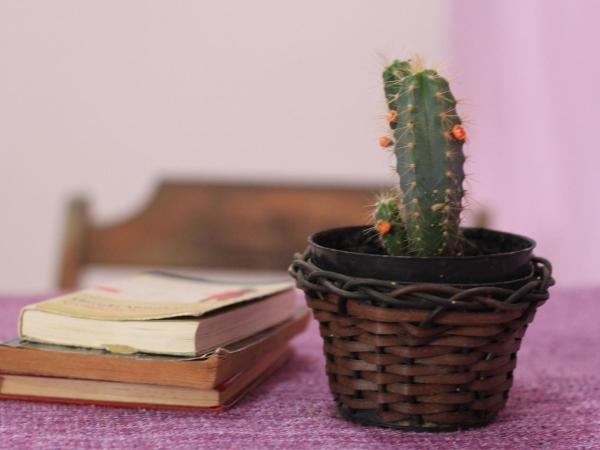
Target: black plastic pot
x,y
491,258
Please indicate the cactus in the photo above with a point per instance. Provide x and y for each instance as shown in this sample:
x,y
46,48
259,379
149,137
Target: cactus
x,y
427,141
389,225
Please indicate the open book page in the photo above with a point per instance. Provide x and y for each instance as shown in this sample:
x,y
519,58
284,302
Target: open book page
x,y
156,295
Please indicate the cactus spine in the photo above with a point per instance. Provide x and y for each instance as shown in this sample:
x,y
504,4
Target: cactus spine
x,y
427,142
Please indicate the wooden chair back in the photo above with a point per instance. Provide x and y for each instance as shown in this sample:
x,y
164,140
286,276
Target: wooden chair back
x,y
212,225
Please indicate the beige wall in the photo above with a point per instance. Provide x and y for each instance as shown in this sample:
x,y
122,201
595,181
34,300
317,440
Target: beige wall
x,y
106,97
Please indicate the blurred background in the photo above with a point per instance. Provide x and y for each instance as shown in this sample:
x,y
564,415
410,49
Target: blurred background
x,y
105,99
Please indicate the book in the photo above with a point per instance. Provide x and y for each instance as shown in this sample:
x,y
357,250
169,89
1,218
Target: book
x,y
111,393
158,312
203,372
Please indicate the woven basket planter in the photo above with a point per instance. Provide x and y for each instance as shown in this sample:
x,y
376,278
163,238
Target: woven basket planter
x,y
420,356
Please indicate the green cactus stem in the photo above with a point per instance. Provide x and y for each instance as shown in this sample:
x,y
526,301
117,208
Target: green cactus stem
x,y
393,77
389,225
428,141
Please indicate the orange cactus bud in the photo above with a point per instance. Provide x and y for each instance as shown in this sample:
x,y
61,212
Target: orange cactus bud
x,y
391,117
385,141
383,226
459,133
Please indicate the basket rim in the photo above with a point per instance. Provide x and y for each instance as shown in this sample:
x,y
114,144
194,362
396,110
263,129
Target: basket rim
x,y
435,297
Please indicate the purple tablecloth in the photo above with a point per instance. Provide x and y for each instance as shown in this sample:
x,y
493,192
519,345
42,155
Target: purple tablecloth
x,y
554,404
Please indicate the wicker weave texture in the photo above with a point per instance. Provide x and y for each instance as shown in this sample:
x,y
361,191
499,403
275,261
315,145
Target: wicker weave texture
x,y
435,366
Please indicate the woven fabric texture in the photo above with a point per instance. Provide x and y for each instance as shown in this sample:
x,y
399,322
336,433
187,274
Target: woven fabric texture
x,y
554,402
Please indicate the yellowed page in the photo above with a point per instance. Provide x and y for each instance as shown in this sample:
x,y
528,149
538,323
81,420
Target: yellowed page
x,y
155,296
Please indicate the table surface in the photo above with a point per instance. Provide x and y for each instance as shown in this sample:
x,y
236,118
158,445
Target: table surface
x,y
554,403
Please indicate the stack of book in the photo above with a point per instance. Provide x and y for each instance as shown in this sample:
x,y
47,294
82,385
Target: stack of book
x,y
158,340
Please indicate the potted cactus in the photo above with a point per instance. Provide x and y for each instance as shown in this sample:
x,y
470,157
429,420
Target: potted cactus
x,y
421,319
